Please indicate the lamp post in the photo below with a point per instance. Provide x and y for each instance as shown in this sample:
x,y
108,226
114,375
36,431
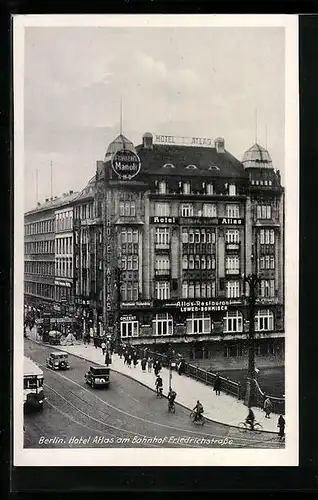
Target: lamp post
x,y
252,281
170,367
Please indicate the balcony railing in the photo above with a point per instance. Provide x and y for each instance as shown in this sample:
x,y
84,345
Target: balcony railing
x,y
232,246
232,272
166,273
162,246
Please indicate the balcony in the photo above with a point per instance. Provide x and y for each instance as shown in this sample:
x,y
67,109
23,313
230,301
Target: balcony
x,y
232,272
162,247
232,246
163,273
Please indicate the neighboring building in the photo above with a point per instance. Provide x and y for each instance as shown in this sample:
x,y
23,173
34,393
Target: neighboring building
x,y
64,246
42,267
184,224
88,265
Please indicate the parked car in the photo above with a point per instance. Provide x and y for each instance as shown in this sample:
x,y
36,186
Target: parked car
x,y
97,376
55,337
58,360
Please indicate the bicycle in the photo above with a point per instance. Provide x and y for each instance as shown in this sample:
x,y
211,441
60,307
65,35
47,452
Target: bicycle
x,y
159,392
244,427
171,407
197,419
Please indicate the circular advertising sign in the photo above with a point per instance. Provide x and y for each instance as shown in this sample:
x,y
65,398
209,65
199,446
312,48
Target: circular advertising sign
x,y
126,164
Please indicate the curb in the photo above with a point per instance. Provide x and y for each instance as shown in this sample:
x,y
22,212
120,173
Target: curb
x,y
60,348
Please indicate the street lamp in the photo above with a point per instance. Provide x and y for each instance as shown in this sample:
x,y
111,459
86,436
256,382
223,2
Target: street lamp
x,y
252,281
170,367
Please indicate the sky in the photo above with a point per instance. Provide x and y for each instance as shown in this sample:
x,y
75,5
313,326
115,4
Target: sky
x,y
203,82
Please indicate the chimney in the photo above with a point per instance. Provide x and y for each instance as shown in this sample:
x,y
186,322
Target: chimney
x,y
71,192
38,204
147,140
219,145
47,199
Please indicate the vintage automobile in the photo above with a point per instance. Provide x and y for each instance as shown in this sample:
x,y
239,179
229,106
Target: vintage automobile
x,y
55,337
97,376
58,360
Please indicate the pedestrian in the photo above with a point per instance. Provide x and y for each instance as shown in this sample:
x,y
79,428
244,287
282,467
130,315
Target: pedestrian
x,y
135,359
149,364
281,424
267,407
95,340
217,385
143,364
181,367
156,367
103,347
129,360
108,359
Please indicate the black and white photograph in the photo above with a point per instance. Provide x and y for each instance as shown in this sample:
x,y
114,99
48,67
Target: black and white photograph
x,y
156,240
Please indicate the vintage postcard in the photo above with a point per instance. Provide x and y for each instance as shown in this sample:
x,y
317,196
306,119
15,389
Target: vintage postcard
x,y
156,240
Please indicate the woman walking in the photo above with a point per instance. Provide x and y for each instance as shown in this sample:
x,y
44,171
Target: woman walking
x,y
149,364
143,364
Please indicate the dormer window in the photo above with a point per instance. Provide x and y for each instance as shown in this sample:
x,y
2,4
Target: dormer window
x,y
191,167
186,188
232,190
213,167
162,187
209,188
168,165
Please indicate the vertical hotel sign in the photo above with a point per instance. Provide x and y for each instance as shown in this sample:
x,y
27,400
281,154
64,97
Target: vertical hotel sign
x,y
108,261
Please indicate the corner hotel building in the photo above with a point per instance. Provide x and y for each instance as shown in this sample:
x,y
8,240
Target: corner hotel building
x,y
184,224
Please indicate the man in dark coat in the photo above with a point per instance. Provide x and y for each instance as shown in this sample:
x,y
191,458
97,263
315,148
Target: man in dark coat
x,y
281,424
217,385
181,367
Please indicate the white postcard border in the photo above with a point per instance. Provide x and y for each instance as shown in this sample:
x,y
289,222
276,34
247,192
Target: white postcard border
x,y
166,457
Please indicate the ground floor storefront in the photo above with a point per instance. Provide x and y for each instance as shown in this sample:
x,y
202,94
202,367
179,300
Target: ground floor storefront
x,y
207,332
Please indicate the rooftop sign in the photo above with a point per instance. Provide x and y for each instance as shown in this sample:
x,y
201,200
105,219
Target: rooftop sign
x,y
126,164
183,141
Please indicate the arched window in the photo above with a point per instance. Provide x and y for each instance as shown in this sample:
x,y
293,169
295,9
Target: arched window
x,y
233,322
264,320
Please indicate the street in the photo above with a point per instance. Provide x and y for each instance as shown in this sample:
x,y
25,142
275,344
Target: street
x,y
125,415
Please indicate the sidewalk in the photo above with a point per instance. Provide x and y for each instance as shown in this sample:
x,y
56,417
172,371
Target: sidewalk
x,y
224,409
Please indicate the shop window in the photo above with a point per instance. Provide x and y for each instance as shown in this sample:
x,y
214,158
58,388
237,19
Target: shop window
x,y
233,322
199,323
162,324
129,329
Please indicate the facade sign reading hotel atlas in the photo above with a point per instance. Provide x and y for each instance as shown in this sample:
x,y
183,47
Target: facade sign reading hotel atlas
x,y
126,164
184,141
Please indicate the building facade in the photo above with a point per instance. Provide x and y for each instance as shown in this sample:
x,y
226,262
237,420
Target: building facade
x,y
48,235
182,227
156,248
88,263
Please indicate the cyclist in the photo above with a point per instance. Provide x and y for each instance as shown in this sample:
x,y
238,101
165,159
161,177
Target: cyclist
x,y
250,419
198,411
171,398
159,385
